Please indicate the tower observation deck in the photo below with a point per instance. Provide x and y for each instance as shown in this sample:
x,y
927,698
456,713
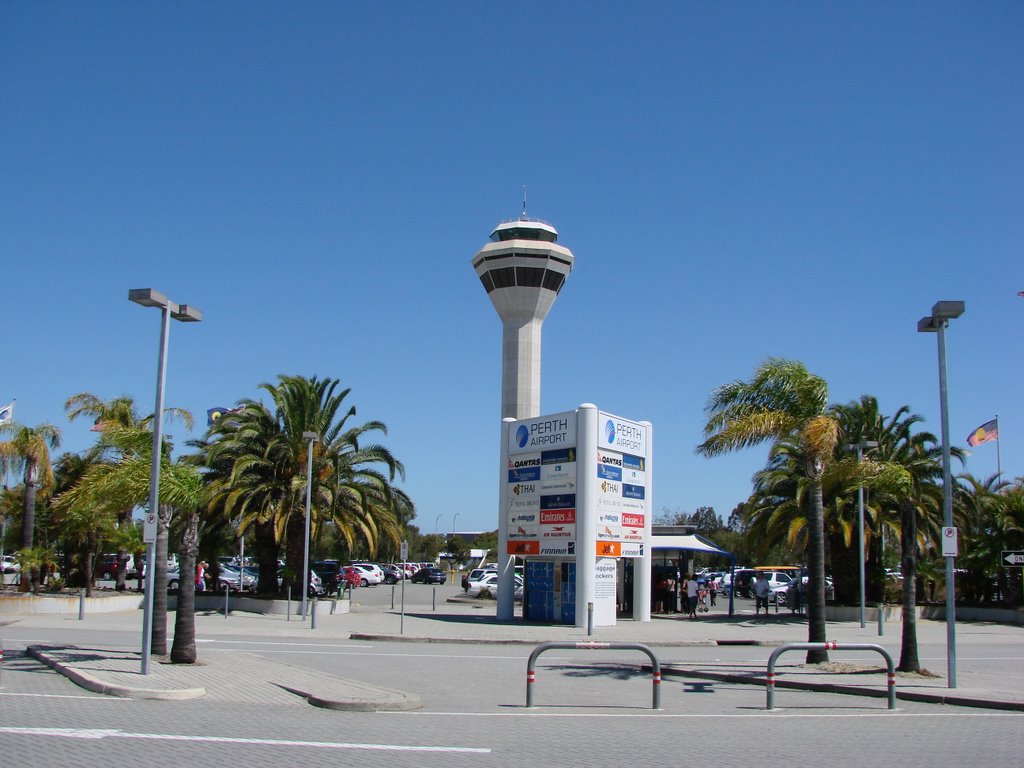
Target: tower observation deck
x,y
522,269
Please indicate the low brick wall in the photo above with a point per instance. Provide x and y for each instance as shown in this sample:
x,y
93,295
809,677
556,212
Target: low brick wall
x,y
111,602
894,612
65,603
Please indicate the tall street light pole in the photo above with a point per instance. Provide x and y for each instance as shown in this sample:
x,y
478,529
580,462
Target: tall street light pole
x,y
860,448
942,313
147,297
312,437
437,522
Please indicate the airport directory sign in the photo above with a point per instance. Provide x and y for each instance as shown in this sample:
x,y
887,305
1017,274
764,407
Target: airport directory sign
x,y
622,487
541,478
542,486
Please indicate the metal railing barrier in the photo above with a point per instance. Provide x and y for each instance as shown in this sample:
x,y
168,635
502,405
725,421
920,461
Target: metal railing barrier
x,y
531,676
830,646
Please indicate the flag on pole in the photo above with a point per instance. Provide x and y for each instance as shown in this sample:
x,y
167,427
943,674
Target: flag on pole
x,y
7,413
213,414
985,433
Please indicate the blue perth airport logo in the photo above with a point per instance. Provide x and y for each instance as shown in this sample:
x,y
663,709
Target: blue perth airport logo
x,y
522,435
609,431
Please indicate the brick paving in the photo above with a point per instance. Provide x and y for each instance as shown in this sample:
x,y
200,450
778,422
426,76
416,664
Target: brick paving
x,y
241,676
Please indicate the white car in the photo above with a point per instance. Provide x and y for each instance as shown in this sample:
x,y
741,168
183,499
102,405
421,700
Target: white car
x,y
10,565
371,573
489,583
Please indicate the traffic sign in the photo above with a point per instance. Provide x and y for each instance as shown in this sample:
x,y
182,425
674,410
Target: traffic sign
x,y
1013,558
949,542
149,528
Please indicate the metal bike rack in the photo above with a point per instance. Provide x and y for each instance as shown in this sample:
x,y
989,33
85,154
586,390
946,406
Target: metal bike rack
x,y
830,646
591,646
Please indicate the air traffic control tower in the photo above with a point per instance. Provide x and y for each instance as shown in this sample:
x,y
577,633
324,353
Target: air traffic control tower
x,y
523,269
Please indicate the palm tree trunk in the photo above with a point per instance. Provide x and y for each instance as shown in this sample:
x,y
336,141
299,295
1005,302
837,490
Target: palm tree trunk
x,y
296,533
909,661
28,513
267,552
816,565
159,639
90,563
124,519
183,650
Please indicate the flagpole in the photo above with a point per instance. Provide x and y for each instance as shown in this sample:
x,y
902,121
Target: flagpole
x,y
999,463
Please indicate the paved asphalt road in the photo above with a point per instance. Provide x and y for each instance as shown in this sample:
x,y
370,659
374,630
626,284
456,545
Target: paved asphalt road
x,y
590,711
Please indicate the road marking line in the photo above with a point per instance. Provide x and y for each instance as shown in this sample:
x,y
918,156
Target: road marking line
x,y
777,713
258,651
272,642
111,733
64,696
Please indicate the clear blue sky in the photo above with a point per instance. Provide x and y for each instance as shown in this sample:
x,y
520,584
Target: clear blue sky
x,y
737,181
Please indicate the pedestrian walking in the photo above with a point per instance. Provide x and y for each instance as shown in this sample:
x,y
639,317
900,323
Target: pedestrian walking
x,y
691,595
761,592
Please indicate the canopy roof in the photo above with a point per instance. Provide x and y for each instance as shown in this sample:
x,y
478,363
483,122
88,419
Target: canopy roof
x,y
686,541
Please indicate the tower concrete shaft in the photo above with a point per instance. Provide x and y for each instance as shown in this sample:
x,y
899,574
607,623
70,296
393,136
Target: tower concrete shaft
x,y
522,269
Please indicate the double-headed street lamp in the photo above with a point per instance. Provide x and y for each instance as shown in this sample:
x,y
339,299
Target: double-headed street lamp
x,y
942,313
860,447
147,297
312,437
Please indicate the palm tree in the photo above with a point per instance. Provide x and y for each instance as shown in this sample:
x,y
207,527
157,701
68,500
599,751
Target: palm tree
x,y
82,530
916,499
28,450
783,400
256,462
124,483
119,412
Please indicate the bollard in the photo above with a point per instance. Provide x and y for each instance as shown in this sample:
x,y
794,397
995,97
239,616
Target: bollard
x,y
590,619
334,604
433,600
81,605
392,597
830,645
1,663
227,591
881,620
531,676
312,615
289,602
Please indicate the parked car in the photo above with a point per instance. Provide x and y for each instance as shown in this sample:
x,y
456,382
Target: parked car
x,y
351,577
475,575
489,583
368,574
233,579
107,567
330,573
10,565
429,575
316,584
392,573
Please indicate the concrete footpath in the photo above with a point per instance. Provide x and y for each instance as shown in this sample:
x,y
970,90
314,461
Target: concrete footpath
x,y
251,677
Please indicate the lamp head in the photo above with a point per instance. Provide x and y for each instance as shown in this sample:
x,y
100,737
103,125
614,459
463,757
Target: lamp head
x,y
187,314
147,297
947,310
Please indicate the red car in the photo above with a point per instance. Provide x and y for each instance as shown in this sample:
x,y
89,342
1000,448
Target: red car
x,y
351,576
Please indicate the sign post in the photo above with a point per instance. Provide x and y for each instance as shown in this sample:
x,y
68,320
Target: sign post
x,y
404,554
